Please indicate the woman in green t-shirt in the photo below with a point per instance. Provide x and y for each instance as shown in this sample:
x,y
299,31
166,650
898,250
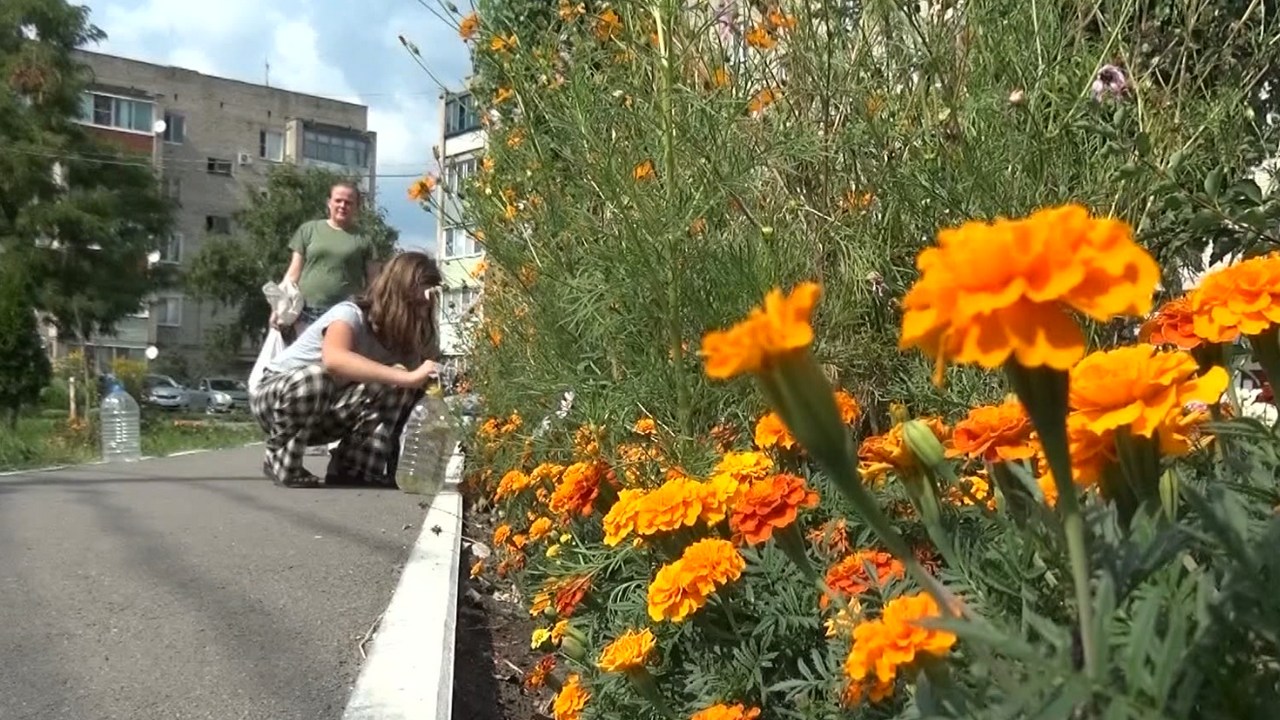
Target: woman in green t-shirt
x,y
330,262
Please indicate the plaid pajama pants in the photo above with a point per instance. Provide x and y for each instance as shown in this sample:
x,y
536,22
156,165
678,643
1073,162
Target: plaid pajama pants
x,y
307,407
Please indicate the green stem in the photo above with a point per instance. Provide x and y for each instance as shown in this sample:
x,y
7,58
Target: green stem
x,y
647,688
792,544
674,315
1043,392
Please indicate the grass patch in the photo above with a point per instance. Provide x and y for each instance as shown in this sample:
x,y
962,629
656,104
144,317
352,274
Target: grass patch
x,y
49,439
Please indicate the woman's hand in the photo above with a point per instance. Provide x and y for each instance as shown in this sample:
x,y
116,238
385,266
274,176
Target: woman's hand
x,y
424,372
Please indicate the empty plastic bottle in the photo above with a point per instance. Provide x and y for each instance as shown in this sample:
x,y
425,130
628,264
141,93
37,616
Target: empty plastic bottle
x,y
429,439
120,420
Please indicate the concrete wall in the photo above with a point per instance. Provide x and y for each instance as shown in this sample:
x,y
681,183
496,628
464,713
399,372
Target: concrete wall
x,y
222,119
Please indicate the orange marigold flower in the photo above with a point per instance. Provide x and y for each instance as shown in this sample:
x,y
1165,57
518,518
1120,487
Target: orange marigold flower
x,y
629,652
546,472
501,534
645,426
880,454
540,529
760,38
569,594
571,700
579,486
469,25
763,99
1139,386
779,328
832,537
1183,432
745,466
477,568
989,292
779,20
422,188
620,521
882,647
719,494
850,577
514,482
771,432
537,676
675,504
1172,324
1240,299
769,504
608,25
994,433
720,78
644,171
503,44
856,693
727,712
683,586
848,406
977,489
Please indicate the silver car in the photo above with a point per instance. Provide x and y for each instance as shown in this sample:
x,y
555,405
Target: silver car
x,y
219,395
163,391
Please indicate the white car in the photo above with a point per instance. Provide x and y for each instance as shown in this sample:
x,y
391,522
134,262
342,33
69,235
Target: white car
x,y
218,395
163,391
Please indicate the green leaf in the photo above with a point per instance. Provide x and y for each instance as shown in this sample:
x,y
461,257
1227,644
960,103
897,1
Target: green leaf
x,y
1213,183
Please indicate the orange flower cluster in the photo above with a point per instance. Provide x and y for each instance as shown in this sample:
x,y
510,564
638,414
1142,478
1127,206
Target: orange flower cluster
x,y
1241,299
772,432
629,652
745,466
608,25
511,484
1172,324
848,407
989,292
645,426
683,586
851,576
537,675
979,489
539,529
564,594
832,537
422,188
579,486
727,712
468,26
1140,387
881,454
778,329
571,700
883,647
769,504
546,472
677,503
586,441
501,534
994,433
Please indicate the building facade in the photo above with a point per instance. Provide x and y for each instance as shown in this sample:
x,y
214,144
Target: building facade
x,y
211,140
460,255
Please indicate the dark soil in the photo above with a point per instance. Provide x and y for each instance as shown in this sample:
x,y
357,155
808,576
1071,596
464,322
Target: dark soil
x,y
491,647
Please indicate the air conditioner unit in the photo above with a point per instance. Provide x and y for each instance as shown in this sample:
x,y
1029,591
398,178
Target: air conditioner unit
x,y
245,158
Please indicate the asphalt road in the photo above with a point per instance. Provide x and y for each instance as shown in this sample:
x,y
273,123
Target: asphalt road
x,y
190,587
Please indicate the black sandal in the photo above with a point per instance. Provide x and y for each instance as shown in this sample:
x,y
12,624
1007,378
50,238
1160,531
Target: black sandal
x,y
304,479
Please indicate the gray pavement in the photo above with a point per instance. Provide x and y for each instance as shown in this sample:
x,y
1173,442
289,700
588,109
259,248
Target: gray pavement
x,y
190,587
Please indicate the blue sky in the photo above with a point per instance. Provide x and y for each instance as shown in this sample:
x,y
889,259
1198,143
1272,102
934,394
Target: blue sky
x,y
336,48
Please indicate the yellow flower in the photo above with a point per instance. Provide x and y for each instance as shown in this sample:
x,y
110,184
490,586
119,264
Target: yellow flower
x,y
1140,386
501,44
989,292
504,94
539,638
780,328
759,37
630,651
553,550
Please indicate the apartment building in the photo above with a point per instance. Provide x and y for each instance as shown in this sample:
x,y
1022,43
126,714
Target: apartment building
x,y
460,150
211,139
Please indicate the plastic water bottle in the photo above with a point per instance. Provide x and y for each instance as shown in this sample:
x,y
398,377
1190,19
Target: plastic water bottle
x,y
120,420
429,439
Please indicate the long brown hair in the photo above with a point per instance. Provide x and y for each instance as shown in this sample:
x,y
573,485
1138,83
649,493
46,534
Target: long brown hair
x,y
402,317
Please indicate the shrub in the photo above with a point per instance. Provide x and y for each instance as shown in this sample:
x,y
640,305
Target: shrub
x,y
651,173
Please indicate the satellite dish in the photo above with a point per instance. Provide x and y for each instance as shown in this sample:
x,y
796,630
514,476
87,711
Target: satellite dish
x,y
153,352
159,127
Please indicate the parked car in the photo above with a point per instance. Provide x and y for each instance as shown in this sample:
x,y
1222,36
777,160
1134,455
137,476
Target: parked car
x,y
217,395
163,391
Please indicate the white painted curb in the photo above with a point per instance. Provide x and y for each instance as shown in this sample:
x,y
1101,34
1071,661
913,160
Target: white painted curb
x,y
409,671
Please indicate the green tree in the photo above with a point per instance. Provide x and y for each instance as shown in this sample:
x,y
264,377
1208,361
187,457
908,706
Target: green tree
x,y
24,367
232,269
77,215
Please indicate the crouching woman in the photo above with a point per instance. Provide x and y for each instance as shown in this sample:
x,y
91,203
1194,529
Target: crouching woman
x,y
346,378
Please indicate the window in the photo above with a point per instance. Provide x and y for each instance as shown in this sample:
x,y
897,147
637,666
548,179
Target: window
x,y
457,172
218,166
345,150
168,311
175,128
171,250
460,115
455,302
120,113
271,145
173,189
217,224
458,242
